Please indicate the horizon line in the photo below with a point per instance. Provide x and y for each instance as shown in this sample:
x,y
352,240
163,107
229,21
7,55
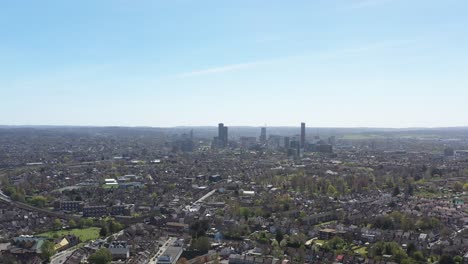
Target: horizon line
x,y
234,126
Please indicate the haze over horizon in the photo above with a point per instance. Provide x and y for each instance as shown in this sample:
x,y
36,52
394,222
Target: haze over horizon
x,y
215,127
335,63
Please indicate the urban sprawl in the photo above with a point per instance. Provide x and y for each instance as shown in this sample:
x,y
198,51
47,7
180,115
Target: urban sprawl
x,y
237,195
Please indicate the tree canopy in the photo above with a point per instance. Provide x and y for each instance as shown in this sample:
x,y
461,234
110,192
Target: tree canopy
x,y
47,250
102,256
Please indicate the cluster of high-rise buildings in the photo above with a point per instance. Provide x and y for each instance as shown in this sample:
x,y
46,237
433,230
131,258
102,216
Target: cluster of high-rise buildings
x,y
221,141
295,146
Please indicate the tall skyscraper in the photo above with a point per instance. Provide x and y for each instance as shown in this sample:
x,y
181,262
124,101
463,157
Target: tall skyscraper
x,y
263,135
303,135
220,131
225,137
222,140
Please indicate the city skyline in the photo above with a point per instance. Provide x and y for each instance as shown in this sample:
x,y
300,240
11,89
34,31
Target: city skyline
x,y
357,63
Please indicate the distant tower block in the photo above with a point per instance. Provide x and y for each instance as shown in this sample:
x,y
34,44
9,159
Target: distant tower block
x,y
263,135
225,134
303,127
222,135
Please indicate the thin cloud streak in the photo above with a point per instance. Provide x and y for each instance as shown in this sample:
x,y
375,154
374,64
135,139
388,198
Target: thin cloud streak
x,y
320,55
367,48
370,3
221,69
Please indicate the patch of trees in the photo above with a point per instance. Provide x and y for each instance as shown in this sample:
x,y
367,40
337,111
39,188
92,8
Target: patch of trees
x,y
48,250
102,256
336,243
199,228
392,249
237,232
201,244
38,201
85,222
16,193
397,220
110,226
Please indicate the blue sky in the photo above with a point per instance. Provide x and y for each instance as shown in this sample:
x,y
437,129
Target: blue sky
x,y
330,63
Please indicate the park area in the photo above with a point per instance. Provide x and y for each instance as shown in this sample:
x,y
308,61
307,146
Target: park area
x,y
85,234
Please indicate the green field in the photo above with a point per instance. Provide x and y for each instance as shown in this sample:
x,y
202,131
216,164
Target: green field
x,y
427,194
105,186
320,242
85,234
360,250
326,223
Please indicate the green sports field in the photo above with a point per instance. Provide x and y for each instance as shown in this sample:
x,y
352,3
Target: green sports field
x,y
85,234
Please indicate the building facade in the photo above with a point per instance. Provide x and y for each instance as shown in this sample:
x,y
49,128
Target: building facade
x,y
303,127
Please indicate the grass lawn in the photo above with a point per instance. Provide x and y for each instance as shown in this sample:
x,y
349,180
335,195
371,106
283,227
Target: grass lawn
x,y
85,234
320,242
361,250
106,186
426,194
326,223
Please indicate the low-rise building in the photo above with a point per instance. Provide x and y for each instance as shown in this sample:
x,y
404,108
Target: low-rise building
x,y
71,206
26,245
95,211
327,233
215,178
170,255
176,227
123,209
119,250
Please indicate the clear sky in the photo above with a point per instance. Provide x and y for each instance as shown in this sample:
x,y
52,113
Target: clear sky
x,y
330,63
